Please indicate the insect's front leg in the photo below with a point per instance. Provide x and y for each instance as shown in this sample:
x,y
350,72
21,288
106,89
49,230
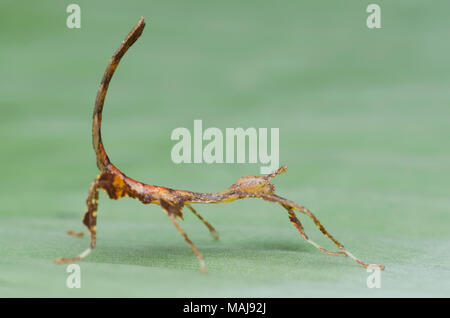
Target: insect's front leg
x,y
90,220
291,206
296,222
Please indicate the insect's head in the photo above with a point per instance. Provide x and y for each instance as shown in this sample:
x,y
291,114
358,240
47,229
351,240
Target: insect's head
x,y
253,184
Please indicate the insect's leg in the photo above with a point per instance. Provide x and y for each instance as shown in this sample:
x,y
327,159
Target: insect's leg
x,y
304,210
74,234
90,220
296,222
213,231
196,251
295,206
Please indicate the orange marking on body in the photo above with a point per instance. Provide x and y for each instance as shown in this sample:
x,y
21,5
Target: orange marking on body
x,y
118,182
119,186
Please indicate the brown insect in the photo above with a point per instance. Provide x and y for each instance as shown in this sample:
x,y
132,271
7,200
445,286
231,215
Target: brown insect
x,y
117,185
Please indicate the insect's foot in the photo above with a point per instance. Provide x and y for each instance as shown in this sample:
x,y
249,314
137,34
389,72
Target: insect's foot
x,y
75,234
61,260
336,253
203,267
329,252
215,235
374,266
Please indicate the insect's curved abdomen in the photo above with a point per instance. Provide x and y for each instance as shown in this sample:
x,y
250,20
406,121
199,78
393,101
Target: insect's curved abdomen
x,y
102,158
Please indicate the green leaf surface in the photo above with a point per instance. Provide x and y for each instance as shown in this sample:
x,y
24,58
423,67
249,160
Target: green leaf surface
x,y
364,128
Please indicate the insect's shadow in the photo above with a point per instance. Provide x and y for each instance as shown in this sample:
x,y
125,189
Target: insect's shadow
x,y
169,255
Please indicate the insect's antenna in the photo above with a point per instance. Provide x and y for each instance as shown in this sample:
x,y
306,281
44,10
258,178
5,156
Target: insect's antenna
x,y
280,170
102,159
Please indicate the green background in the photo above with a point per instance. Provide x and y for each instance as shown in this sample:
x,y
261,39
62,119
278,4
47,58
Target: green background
x,y
364,127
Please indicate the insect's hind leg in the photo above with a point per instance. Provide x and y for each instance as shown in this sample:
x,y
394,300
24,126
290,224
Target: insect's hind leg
x,y
211,229
90,221
296,222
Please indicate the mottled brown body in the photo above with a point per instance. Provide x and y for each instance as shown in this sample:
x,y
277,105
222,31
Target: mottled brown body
x,y
117,185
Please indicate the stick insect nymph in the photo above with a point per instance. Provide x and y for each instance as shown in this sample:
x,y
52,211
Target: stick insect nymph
x,y
117,185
